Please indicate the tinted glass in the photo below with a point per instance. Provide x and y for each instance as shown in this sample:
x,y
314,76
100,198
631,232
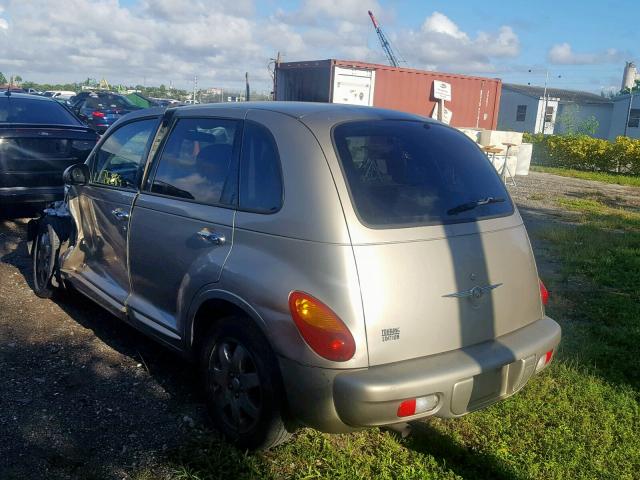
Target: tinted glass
x,y
26,110
119,162
403,173
108,101
260,177
197,161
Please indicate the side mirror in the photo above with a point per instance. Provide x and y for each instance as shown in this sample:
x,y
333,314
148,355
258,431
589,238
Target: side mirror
x,y
77,174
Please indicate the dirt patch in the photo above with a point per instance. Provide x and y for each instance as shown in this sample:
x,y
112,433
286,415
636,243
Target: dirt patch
x,y
536,196
83,395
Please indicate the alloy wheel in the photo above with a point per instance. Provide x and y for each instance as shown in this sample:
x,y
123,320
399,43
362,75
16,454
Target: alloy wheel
x,y
237,390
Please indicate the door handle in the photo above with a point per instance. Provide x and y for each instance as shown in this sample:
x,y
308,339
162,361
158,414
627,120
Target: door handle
x,y
212,237
120,214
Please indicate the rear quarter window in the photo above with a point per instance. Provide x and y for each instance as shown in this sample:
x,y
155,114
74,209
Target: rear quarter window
x,y
411,173
260,174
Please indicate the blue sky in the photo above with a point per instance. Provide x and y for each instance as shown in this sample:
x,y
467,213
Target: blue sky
x,y
583,44
590,27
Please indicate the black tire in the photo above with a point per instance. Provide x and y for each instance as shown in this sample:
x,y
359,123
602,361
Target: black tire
x,y
46,246
245,397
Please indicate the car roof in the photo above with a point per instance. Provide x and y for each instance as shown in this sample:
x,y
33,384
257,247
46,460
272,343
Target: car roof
x,y
27,96
314,112
301,110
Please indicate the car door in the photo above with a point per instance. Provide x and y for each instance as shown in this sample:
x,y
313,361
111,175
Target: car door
x,y
105,208
182,222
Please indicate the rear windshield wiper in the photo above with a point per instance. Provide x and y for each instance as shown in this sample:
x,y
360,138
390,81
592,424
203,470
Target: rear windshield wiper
x,y
471,205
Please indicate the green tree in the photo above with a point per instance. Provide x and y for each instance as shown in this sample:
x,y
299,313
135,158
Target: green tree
x,y
571,124
17,79
3,79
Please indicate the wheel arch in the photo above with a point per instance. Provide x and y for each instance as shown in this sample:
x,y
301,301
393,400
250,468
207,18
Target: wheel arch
x,y
212,305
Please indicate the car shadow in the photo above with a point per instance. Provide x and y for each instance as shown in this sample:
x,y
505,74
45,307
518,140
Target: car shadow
x,y
463,461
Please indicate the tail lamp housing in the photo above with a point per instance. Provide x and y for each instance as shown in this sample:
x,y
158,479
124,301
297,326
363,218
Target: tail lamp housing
x,y
321,328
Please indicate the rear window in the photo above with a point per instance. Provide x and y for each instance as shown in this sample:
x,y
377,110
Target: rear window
x,y
408,173
109,101
25,110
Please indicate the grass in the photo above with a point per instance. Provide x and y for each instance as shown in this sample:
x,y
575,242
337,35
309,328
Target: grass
x,y
580,419
620,179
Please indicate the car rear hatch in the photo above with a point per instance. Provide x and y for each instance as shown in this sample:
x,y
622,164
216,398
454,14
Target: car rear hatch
x,y
443,258
36,155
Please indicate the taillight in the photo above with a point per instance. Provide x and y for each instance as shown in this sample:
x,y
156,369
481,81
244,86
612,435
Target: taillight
x,y
97,114
544,293
323,331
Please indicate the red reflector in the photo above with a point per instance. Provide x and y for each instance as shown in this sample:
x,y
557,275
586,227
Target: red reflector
x,y
98,114
547,356
407,408
544,293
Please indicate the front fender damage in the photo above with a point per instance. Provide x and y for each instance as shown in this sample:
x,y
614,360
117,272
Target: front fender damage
x,y
59,217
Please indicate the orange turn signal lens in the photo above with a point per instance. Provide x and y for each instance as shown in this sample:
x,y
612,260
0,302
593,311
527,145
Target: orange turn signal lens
x,y
321,328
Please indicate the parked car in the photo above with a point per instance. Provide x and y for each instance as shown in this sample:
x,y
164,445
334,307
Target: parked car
x,y
33,91
332,266
79,98
60,95
39,138
100,110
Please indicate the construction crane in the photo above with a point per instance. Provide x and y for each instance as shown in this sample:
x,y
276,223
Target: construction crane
x,y
394,58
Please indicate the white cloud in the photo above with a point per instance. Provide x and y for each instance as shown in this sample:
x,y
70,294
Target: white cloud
x,y
164,41
3,22
439,23
441,44
563,54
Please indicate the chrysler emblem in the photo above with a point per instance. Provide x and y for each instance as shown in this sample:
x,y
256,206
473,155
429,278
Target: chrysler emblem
x,y
475,293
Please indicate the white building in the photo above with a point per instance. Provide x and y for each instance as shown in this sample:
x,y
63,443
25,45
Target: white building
x,y
523,108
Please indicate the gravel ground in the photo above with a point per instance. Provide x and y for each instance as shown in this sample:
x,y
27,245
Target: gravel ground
x,y
82,395
85,396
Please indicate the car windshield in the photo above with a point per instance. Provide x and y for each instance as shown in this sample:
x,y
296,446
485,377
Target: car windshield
x,y
410,173
26,110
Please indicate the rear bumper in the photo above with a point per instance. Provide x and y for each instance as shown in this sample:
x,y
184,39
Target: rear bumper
x,y
464,380
17,195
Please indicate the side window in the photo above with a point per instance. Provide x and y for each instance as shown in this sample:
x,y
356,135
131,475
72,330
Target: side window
x,y
119,161
634,118
197,162
260,174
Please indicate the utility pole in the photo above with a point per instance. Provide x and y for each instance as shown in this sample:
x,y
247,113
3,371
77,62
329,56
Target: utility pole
x,y
544,98
626,124
247,90
195,86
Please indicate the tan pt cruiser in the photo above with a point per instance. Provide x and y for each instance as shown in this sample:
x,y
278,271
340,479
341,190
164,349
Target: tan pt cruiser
x,y
331,266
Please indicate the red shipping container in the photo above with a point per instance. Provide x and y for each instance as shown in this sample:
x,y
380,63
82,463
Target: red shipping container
x,y
474,100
